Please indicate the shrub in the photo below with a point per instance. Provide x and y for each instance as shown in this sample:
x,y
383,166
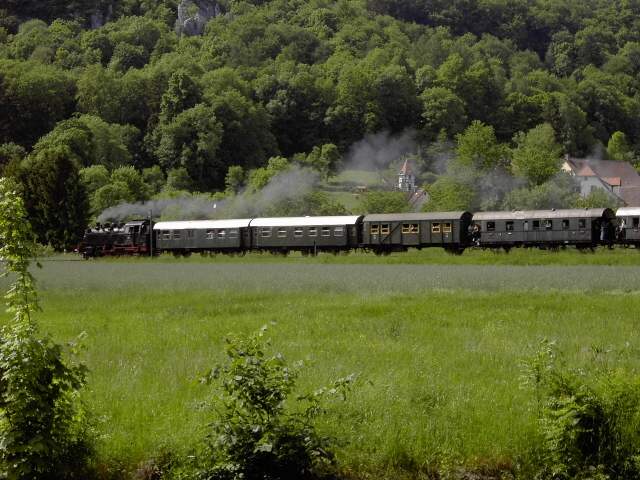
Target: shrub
x,y
42,432
255,435
590,429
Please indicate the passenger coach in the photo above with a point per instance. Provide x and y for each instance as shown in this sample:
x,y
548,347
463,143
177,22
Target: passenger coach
x,y
628,225
306,234
398,231
544,228
202,235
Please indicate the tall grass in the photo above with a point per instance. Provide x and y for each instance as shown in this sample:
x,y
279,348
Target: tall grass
x,y
437,348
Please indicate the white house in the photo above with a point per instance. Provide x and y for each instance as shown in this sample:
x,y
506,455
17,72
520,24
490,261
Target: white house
x,y
619,179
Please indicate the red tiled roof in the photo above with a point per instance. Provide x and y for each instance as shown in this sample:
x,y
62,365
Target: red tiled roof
x,y
613,181
630,196
607,170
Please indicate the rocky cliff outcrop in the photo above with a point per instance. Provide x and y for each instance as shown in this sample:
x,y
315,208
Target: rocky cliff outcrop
x,y
194,15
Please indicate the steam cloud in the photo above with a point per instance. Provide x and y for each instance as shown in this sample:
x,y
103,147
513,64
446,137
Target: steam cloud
x,y
377,151
292,183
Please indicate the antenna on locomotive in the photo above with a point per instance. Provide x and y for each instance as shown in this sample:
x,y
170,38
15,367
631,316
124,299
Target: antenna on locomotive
x,y
151,233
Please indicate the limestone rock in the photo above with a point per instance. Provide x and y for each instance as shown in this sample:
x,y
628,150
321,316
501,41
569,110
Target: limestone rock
x,y
193,15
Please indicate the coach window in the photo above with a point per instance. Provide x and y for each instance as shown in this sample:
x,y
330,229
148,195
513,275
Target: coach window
x,y
508,226
548,225
265,232
282,232
491,226
582,223
298,232
326,231
536,224
435,227
636,222
405,228
565,224
176,234
211,234
375,229
222,233
313,232
190,233
446,228
338,231
166,235
233,233
385,229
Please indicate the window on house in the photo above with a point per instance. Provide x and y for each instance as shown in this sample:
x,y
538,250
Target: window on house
x,y
326,231
565,224
298,232
338,231
508,226
536,224
446,228
282,233
582,223
375,229
435,227
385,229
491,226
265,232
313,232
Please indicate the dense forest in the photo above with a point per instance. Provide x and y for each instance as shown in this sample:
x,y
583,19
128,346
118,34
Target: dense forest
x,y
111,101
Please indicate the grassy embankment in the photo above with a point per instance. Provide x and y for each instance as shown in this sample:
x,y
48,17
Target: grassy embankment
x,y
437,348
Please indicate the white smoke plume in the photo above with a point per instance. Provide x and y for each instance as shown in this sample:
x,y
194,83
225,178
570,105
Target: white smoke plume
x,y
376,151
289,184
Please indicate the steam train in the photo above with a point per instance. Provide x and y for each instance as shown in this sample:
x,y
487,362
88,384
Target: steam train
x,y
379,233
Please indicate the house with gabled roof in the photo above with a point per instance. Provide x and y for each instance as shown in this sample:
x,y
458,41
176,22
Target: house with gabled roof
x,y
619,179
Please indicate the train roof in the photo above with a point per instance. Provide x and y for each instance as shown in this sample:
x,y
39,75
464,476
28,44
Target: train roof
x,y
202,224
628,211
417,216
306,221
564,213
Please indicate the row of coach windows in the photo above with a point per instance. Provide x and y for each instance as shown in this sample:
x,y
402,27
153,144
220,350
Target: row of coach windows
x,y
538,225
191,234
440,227
298,232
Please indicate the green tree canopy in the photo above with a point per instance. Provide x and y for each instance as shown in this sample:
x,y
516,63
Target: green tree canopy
x,y
537,156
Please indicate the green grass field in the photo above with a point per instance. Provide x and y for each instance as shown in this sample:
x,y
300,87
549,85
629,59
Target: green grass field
x,y
436,347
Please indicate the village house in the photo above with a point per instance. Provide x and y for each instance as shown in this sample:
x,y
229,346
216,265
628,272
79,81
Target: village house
x,y
618,179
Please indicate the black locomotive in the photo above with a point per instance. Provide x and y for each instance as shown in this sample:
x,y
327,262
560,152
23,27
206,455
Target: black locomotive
x,y
380,233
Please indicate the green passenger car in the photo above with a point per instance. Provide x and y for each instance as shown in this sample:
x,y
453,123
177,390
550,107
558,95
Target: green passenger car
x,y
202,235
545,228
383,233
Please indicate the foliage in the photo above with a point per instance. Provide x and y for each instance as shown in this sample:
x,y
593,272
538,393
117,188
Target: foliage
x,y
449,194
559,192
537,156
618,148
42,424
54,197
589,427
598,198
478,147
384,202
257,435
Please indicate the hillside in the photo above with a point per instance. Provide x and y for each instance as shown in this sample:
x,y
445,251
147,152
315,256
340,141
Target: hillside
x,y
123,101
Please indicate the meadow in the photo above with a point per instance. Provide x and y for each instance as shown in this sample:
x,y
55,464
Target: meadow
x,y
437,348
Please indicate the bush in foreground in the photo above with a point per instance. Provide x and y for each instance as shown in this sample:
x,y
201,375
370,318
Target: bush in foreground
x,y
257,434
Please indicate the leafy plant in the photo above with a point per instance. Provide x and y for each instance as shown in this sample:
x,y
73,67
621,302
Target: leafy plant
x,y
589,429
42,428
255,435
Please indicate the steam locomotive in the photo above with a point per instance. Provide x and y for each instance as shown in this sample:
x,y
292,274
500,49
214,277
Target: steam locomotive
x,y
379,233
